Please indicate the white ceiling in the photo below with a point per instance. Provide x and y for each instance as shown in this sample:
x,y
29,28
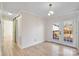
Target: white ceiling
x,y
41,8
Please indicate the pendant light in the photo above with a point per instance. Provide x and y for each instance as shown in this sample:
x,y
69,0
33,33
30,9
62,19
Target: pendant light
x,y
50,12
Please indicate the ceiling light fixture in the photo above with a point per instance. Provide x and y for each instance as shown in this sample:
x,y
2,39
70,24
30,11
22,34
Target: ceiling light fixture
x,y
50,12
9,13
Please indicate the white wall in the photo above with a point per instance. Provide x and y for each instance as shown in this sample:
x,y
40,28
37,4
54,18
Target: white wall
x,y
0,37
32,30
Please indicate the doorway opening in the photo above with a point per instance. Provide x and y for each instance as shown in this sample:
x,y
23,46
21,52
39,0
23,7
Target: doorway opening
x,y
9,26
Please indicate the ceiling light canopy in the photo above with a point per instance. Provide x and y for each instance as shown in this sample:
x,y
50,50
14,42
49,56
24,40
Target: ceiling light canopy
x,y
50,11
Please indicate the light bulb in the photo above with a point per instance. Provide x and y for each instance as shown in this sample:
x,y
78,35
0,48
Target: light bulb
x,y
9,13
51,12
48,14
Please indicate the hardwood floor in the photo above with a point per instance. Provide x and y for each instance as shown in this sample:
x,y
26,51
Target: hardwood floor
x,y
43,49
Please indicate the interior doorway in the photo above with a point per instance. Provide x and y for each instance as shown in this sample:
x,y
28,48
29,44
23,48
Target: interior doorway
x,y
14,30
8,37
10,33
17,29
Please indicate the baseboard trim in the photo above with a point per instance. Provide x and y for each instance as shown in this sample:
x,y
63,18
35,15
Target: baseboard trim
x,y
61,44
32,44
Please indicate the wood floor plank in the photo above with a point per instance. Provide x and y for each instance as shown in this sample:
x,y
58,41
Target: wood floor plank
x,y
42,49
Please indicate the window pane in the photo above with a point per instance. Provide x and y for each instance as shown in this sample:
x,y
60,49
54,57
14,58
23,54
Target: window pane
x,y
68,36
56,32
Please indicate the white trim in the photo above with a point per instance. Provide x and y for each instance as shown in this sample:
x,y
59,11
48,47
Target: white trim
x,y
32,44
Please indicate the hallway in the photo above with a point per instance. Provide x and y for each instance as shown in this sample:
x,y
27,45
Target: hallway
x,y
42,49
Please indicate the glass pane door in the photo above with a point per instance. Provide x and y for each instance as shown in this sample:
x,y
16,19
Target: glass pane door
x,y
68,32
56,32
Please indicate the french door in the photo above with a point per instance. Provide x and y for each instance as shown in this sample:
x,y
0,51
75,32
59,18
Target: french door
x,y
56,33
63,33
68,33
